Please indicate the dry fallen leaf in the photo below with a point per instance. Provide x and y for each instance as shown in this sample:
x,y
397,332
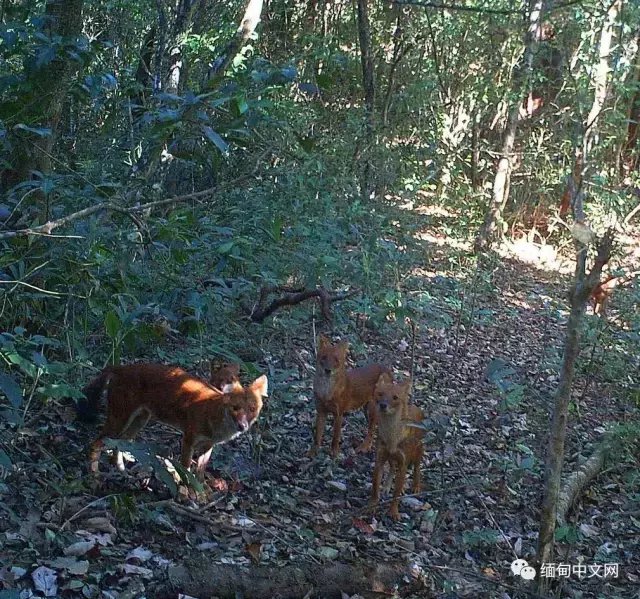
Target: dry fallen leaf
x,y
45,580
363,526
99,524
71,565
255,551
79,548
139,570
140,554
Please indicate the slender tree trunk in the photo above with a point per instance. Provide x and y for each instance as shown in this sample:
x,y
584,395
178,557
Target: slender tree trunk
x,y
143,74
400,50
583,285
630,151
574,187
493,220
601,76
176,76
368,84
475,154
248,25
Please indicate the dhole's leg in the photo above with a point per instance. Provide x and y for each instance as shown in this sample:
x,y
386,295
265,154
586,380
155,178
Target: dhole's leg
x,y
337,433
137,423
94,455
372,412
321,420
113,427
388,479
202,462
401,475
381,459
188,441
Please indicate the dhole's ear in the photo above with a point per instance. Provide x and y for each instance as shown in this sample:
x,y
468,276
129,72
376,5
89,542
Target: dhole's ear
x,y
231,387
260,385
343,346
406,385
322,341
384,379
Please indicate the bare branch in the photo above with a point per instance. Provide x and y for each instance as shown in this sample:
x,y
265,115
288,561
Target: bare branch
x,y
292,297
113,207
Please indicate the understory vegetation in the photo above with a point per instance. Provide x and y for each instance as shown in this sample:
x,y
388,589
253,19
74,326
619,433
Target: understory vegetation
x,y
452,182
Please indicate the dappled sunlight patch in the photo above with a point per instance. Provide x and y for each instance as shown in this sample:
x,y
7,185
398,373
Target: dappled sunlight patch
x,y
441,240
540,256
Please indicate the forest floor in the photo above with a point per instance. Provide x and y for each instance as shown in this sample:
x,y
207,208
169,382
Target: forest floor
x,y
279,510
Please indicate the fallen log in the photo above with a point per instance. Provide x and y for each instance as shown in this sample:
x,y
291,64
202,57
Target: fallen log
x,y
203,579
574,485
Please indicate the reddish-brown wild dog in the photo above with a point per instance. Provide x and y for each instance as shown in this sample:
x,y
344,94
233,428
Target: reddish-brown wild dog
x,y
339,390
398,443
137,393
603,291
225,374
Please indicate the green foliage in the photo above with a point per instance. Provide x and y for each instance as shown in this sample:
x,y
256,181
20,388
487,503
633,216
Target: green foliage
x,y
479,538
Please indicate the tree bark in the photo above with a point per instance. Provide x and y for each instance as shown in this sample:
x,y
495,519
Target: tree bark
x,y
369,87
572,196
248,25
601,75
143,74
493,220
630,151
51,81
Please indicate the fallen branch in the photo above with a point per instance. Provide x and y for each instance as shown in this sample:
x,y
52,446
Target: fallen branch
x,y
291,297
578,480
201,578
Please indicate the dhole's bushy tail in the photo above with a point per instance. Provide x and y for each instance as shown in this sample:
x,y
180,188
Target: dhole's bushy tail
x,y
87,407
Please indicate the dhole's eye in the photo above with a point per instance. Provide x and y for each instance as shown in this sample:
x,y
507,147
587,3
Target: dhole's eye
x,y
395,397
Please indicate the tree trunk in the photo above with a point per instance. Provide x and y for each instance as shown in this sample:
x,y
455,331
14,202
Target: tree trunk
x,y
368,84
630,152
493,220
64,20
143,74
248,25
574,187
581,291
582,288
600,76
177,66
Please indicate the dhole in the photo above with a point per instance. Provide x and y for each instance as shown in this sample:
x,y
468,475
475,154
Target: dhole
x,y
138,392
603,290
225,374
399,444
338,390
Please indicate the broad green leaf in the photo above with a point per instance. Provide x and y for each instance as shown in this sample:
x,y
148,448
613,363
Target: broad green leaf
x,y
215,139
112,324
11,389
